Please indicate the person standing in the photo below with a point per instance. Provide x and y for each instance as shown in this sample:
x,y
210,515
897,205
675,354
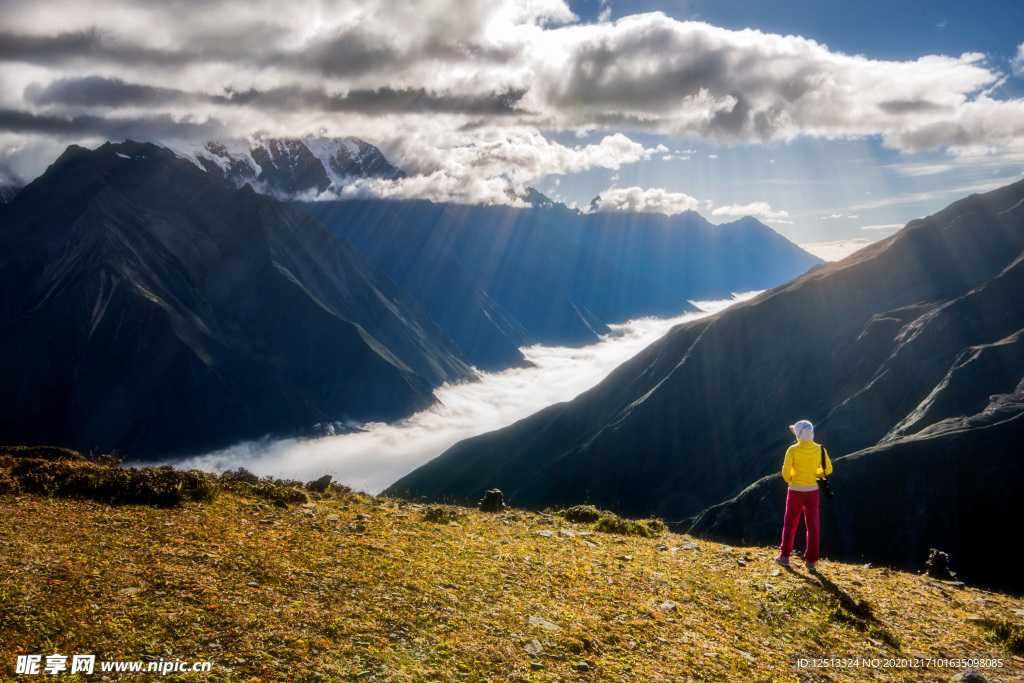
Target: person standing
x,y
801,469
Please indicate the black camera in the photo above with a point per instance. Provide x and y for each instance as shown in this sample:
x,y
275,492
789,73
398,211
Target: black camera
x,y
825,488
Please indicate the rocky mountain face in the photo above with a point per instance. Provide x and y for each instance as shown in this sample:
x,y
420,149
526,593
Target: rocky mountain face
x,y
289,168
906,356
150,308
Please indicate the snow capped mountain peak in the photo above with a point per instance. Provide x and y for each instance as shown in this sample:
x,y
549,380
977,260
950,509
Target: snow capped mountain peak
x,y
290,167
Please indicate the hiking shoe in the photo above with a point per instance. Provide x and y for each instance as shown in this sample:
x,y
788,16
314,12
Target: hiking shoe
x,y
810,566
782,561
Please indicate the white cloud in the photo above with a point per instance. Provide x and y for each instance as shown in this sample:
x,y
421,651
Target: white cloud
x,y
759,209
886,226
481,168
440,81
1017,63
653,200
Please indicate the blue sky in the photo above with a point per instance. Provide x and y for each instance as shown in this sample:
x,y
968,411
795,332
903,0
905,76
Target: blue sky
x,y
831,121
831,189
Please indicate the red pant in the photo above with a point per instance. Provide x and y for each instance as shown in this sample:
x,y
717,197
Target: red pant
x,y
797,501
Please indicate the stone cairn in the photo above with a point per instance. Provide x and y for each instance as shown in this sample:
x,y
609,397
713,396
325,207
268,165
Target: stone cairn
x,y
937,565
492,501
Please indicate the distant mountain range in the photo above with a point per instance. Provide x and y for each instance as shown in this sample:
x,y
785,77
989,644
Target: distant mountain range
x,y
494,277
148,307
686,254
908,356
154,302
498,278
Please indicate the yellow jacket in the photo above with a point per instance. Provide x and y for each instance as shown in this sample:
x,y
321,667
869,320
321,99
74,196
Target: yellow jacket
x,y
803,464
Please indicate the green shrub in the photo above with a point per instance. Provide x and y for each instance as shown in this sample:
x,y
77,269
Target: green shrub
x,y
48,453
582,514
647,528
239,476
78,478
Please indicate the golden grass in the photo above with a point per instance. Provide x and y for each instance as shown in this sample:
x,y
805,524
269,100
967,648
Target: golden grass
x,y
358,588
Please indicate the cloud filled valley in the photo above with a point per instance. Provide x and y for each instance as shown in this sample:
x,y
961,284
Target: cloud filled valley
x,y
379,454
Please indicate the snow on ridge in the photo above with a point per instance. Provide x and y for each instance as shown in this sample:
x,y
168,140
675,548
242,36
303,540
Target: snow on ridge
x,y
354,148
323,149
236,158
341,150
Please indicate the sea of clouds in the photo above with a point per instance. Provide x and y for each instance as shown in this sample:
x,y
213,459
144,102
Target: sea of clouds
x,y
379,454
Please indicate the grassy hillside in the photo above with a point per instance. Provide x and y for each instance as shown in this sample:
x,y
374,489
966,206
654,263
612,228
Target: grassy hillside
x,y
351,587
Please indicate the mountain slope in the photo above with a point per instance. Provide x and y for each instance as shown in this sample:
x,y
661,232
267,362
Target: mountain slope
x,y
150,308
874,350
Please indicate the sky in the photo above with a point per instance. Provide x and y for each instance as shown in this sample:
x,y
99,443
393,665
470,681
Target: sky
x,y
380,454
833,122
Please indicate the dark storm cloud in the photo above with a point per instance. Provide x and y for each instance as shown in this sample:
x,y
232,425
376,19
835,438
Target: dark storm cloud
x,y
602,72
13,121
941,134
47,49
112,93
351,53
908,106
91,44
96,91
380,101
358,51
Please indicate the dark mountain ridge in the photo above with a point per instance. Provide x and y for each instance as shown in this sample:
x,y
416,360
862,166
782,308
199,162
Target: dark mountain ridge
x,y
914,340
147,307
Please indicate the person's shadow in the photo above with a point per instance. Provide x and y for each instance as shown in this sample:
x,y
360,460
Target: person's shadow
x,y
857,613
